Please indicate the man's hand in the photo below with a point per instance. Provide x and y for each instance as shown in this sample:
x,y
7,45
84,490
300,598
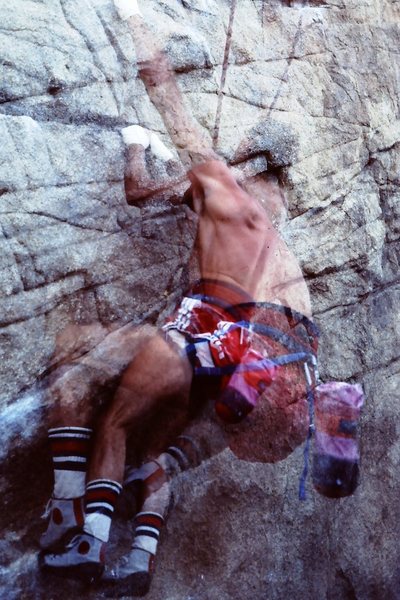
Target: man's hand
x,y
154,69
127,9
159,149
135,134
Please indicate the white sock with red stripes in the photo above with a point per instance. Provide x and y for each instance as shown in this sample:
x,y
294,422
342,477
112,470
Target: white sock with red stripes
x,y
147,533
70,447
100,499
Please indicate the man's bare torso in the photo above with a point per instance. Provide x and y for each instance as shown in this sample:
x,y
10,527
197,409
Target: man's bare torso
x,y
237,242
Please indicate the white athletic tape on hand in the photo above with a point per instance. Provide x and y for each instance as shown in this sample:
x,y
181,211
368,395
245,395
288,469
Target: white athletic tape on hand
x,y
159,149
28,122
135,134
127,8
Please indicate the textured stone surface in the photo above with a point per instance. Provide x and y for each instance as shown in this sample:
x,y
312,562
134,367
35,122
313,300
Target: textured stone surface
x,y
313,86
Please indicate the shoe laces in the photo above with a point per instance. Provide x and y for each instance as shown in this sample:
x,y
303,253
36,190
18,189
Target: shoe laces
x,y
73,541
47,509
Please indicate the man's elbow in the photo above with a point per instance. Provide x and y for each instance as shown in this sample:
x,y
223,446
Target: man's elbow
x,y
155,71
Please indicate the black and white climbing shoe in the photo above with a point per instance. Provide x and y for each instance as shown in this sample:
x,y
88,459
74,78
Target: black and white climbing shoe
x,y
131,576
82,558
65,519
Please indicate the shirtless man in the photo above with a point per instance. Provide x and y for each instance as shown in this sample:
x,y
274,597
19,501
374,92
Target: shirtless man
x,y
242,259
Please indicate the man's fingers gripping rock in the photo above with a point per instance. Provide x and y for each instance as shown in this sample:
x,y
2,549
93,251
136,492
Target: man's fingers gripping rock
x,y
135,134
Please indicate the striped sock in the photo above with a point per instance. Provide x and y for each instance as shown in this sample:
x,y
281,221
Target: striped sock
x,y
186,452
100,499
142,482
70,447
147,532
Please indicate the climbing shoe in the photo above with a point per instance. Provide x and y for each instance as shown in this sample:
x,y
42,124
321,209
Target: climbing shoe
x,y
131,576
65,519
82,558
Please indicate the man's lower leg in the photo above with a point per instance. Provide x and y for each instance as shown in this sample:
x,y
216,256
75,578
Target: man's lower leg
x,y
70,447
149,487
84,556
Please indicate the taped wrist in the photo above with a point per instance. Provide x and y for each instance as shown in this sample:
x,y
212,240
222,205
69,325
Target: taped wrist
x,y
127,8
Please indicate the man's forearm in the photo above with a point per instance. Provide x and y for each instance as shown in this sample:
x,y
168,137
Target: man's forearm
x,y
154,68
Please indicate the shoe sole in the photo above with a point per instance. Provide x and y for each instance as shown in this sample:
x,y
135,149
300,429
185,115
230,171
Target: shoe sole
x,y
88,572
136,585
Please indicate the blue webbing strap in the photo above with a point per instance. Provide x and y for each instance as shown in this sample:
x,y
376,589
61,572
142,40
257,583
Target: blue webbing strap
x,y
277,335
290,313
311,427
259,365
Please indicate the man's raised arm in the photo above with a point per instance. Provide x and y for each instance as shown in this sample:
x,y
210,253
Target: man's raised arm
x,y
156,72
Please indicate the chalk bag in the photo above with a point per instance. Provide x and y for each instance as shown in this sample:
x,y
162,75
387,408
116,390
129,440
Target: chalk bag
x,y
336,456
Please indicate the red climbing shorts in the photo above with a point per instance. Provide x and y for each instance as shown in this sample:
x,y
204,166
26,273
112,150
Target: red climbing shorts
x,y
212,326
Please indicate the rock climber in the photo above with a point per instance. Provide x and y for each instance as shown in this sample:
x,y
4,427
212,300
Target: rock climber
x,y
207,349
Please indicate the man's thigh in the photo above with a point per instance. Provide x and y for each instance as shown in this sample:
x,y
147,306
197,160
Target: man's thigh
x,y
87,360
154,389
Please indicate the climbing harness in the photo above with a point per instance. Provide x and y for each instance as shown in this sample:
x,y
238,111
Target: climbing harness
x,y
298,353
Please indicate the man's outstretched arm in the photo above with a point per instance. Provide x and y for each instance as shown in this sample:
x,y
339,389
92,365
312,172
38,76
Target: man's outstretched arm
x,y
156,72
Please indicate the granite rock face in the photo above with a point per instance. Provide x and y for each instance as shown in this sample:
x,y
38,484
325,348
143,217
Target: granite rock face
x,y
313,88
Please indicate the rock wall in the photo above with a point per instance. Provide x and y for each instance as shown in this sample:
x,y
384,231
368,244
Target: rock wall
x,y
312,86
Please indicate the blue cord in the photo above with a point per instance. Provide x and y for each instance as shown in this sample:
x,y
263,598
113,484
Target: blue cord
x,y
311,428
